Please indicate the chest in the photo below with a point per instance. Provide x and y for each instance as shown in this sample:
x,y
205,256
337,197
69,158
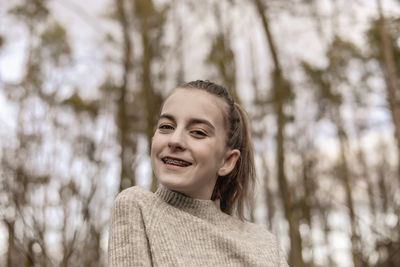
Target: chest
x,y
177,239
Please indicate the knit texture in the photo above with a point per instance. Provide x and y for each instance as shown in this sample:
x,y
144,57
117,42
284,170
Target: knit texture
x,y
167,228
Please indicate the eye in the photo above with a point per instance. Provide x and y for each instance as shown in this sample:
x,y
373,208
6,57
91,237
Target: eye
x,y
165,127
199,133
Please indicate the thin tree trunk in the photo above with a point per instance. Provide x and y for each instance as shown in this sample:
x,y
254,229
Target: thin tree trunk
x,y
11,242
268,195
324,211
295,255
345,178
127,173
224,58
383,191
306,203
280,89
145,12
180,51
365,174
390,77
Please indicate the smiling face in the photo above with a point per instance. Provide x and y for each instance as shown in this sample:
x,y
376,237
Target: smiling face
x,y
189,150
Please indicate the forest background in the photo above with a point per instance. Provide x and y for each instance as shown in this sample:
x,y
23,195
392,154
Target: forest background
x,y
81,83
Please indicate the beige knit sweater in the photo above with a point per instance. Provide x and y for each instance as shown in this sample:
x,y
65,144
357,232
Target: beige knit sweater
x,y
167,228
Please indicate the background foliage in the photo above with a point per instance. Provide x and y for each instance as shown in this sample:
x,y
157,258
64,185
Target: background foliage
x,y
81,84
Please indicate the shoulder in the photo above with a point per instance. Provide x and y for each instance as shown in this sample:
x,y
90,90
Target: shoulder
x,y
268,242
131,203
260,239
261,235
134,195
260,231
250,229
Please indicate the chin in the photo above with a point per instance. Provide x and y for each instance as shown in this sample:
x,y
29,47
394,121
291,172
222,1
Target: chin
x,y
171,182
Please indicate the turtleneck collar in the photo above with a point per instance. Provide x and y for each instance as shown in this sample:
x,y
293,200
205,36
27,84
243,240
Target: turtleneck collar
x,y
204,209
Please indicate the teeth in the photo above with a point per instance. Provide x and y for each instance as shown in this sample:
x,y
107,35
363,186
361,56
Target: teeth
x,y
176,162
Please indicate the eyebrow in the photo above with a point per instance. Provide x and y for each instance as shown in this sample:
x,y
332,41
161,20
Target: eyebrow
x,y
191,121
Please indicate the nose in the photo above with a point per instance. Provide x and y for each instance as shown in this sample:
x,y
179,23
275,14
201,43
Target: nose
x,y
176,141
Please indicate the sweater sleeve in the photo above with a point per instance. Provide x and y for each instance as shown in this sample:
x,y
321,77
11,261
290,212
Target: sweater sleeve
x,y
281,256
128,244
282,259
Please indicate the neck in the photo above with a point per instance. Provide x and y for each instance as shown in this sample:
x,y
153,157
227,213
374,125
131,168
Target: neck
x,y
204,209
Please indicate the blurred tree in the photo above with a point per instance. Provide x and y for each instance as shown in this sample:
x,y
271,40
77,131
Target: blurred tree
x,y
30,174
20,179
261,108
2,41
281,90
52,198
327,82
306,184
138,106
383,41
221,55
150,23
126,110
178,22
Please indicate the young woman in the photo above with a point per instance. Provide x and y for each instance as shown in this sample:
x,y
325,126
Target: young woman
x,y
202,156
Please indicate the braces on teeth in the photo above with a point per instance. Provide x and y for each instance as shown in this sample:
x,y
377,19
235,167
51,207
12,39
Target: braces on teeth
x,y
176,162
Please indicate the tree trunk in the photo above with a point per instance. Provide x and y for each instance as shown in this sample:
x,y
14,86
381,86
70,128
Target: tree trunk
x,y
127,173
280,90
345,178
268,195
221,54
11,242
146,15
390,78
365,174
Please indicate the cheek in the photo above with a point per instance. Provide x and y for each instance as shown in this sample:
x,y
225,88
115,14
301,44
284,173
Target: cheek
x,y
213,152
154,151
155,144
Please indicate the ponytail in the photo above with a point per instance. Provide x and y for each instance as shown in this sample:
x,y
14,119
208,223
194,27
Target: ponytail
x,y
234,190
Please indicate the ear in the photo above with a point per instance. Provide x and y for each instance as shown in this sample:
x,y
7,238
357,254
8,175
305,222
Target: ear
x,y
229,162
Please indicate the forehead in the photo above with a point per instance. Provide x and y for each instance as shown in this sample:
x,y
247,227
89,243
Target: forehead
x,y
195,103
